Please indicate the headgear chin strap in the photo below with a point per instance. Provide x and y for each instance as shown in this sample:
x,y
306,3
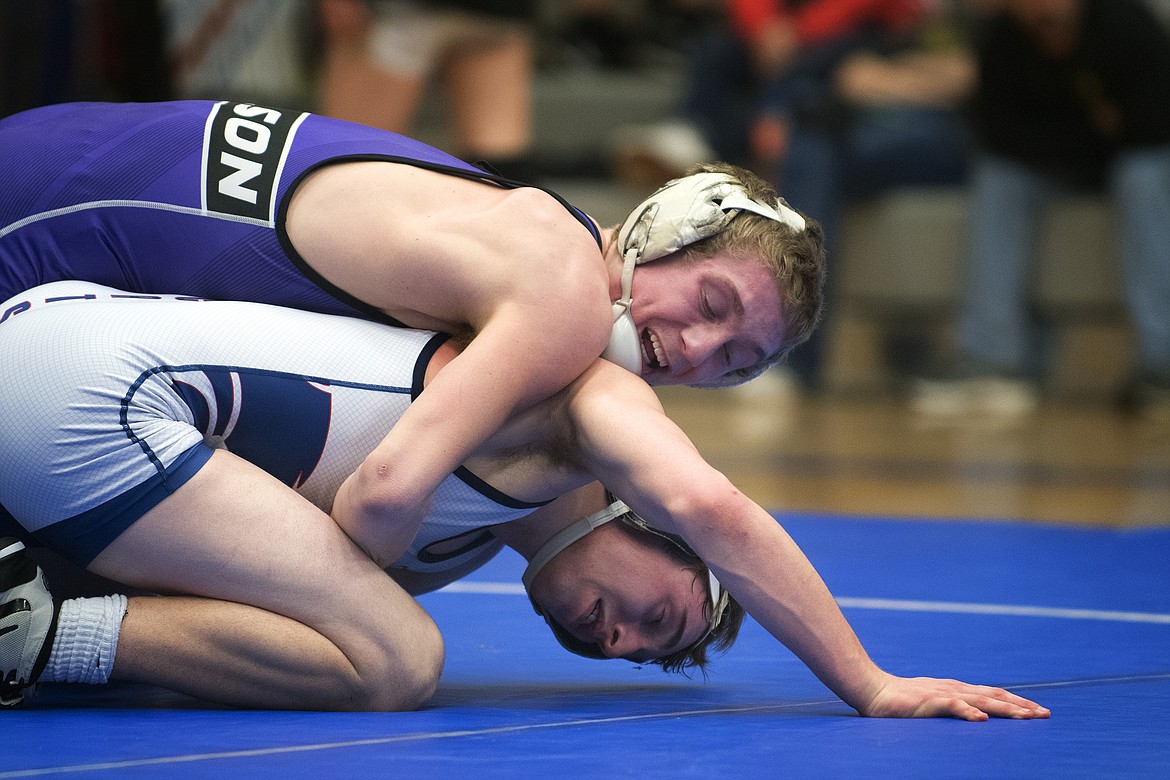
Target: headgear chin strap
x,y
680,213
582,528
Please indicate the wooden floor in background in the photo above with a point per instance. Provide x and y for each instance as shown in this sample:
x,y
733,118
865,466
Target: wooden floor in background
x,y
1067,463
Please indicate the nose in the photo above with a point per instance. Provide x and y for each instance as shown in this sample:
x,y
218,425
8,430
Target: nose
x,y
619,642
701,344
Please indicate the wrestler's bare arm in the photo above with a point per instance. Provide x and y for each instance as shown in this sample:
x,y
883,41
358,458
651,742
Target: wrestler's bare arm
x,y
510,266
631,446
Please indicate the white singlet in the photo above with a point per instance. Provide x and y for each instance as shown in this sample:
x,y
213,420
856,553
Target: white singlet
x,y
113,400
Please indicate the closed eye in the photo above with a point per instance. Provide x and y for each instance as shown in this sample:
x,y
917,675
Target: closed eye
x,y
705,307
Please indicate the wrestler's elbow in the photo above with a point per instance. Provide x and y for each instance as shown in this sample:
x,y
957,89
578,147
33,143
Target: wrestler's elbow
x,y
381,510
384,489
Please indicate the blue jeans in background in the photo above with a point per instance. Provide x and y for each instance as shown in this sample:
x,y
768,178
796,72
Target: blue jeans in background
x,y
995,332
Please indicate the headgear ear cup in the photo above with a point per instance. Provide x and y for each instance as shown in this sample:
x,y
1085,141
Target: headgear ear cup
x,y
625,346
679,213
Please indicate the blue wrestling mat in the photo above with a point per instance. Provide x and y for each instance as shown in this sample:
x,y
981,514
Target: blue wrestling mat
x,y
1076,619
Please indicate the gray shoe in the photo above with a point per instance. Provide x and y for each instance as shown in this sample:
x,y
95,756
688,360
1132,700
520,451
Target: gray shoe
x,y
28,621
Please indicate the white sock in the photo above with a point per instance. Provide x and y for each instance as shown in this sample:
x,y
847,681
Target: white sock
x,y
86,640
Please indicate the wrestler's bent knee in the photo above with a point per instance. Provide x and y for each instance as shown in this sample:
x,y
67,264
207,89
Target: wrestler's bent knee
x,y
406,677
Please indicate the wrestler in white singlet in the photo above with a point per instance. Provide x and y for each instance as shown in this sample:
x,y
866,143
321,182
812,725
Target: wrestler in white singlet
x,y
112,401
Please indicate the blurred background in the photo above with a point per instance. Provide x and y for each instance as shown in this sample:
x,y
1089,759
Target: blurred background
x,y
993,177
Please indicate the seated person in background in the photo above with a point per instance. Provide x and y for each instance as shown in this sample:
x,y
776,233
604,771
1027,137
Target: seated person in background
x,y
871,111
380,57
158,451
1073,95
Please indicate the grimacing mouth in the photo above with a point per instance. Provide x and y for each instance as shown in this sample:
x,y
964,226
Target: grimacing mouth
x,y
653,351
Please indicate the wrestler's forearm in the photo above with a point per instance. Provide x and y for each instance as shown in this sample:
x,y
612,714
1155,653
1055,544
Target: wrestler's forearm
x,y
649,463
760,564
381,505
778,586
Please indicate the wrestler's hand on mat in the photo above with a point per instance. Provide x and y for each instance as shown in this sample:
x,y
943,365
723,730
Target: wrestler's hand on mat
x,y
927,697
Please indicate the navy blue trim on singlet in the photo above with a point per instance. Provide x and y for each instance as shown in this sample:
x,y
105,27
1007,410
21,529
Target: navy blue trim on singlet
x,y
468,478
369,310
82,537
476,538
424,360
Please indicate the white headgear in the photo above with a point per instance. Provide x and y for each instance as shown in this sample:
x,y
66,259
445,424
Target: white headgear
x,y
681,212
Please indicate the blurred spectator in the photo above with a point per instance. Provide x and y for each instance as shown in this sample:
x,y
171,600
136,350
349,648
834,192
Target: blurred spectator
x,y
253,50
1073,95
56,51
794,46
718,98
379,56
748,49
877,107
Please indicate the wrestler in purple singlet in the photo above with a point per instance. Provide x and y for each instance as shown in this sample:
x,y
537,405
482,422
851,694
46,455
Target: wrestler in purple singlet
x,y
184,198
